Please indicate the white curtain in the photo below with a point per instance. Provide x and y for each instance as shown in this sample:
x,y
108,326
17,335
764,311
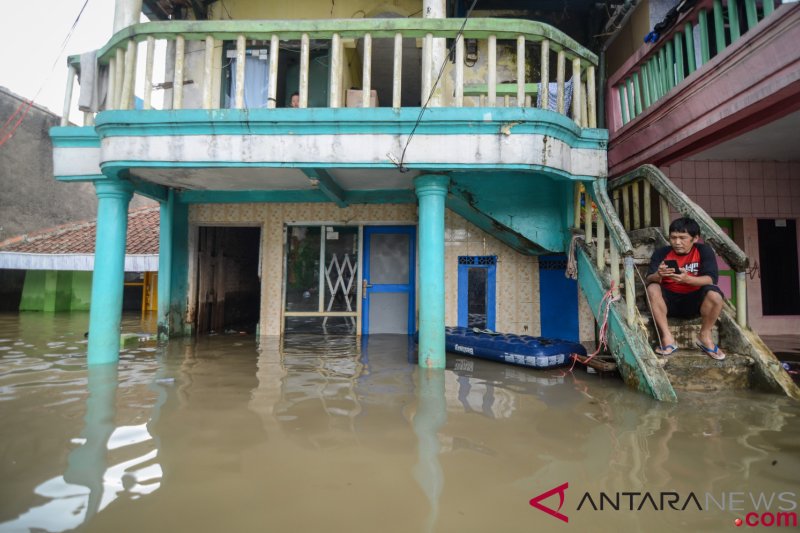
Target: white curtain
x,y
256,82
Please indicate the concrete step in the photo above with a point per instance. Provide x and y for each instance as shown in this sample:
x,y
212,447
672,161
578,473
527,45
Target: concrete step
x,y
685,331
693,370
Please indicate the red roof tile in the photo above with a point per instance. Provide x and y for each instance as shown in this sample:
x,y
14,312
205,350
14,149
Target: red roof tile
x,y
79,237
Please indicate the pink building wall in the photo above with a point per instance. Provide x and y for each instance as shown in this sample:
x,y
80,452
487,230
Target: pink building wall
x,y
746,190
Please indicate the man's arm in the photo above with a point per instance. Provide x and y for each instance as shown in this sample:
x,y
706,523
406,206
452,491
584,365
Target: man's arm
x,y
708,263
656,259
707,271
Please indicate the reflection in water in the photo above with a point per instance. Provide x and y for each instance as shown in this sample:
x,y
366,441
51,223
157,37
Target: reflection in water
x,y
313,433
89,483
430,417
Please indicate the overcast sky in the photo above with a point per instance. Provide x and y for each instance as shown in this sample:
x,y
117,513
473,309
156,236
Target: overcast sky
x,y
31,35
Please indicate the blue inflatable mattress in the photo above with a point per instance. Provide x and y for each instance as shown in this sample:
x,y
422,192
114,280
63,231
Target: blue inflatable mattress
x,y
523,350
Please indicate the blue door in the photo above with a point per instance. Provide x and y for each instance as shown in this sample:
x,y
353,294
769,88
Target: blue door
x,y
558,299
389,280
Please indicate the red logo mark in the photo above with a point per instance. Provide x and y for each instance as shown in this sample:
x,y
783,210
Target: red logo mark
x,y
543,496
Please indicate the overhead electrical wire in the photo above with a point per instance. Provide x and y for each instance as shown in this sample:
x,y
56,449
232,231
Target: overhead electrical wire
x,y
433,89
22,109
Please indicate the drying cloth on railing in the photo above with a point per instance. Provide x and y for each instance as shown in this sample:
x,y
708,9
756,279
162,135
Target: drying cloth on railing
x,y
94,83
571,271
552,97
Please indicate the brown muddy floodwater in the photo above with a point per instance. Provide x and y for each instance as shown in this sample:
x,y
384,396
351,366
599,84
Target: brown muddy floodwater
x,y
228,433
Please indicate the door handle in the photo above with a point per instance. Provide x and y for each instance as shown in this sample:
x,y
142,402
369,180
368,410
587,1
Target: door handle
x,y
364,286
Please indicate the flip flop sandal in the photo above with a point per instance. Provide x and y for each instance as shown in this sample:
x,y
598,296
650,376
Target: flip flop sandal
x,y
714,353
664,351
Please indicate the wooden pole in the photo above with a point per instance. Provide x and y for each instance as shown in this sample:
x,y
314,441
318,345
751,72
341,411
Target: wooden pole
x,y
180,56
68,96
459,96
521,70
492,71
304,62
560,69
591,97
241,51
576,90
545,77
148,72
274,51
208,64
397,74
366,72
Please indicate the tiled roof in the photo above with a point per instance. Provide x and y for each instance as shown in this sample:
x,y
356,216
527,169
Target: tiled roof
x,y
79,237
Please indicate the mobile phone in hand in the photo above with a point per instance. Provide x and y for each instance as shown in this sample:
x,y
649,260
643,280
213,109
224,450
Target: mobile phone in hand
x,y
671,263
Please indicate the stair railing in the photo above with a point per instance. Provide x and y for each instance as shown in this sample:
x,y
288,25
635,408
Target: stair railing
x,y
634,202
619,242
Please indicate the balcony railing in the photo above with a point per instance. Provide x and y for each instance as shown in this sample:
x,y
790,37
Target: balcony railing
x,y
697,37
519,60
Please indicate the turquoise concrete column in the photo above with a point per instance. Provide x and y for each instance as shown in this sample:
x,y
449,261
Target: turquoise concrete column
x,y
431,191
109,270
165,265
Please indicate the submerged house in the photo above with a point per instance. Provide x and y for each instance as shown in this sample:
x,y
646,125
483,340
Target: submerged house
x,y
55,266
442,160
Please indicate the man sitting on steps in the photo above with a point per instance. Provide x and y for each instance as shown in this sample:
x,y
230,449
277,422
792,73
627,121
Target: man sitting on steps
x,y
682,283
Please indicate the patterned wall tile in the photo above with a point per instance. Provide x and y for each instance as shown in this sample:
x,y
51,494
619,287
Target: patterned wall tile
x,y
517,275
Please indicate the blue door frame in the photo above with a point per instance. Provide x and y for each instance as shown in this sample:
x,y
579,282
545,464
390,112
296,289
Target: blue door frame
x,y
465,263
409,288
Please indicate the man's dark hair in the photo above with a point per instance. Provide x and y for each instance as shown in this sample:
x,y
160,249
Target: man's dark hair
x,y
685,225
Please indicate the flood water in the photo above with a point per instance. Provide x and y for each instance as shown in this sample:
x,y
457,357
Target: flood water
x,y
231,433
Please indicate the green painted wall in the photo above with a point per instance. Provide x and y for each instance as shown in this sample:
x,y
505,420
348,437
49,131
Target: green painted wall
x,y
33,291
81,291
531,205
51,291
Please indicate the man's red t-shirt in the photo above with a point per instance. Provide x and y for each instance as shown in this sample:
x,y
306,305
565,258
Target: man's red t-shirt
x,y
700,261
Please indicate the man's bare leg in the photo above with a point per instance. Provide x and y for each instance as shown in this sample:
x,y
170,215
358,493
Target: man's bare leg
x,y
709,312
659,309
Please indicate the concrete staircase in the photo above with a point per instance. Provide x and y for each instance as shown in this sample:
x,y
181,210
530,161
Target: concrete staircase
x,y
689,368
642,199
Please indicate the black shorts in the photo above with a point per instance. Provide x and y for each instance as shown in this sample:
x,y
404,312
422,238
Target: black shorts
x,y
687,305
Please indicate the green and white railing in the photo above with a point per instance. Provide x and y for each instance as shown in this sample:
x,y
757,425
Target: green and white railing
x,y
605,233
525,54
696,38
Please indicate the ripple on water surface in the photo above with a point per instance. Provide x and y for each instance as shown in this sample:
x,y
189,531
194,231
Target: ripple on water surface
x,y
312,433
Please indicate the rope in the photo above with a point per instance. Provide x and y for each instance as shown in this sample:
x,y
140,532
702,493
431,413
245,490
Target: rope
x,y
572,262
649,306
608,299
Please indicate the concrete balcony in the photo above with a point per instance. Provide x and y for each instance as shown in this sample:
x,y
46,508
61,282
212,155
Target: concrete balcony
x,y
225,123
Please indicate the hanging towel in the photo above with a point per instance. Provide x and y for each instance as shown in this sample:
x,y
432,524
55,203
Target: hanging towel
x,y
552,100
94,83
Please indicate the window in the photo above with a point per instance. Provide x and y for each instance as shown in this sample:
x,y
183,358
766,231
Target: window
x,y
321,278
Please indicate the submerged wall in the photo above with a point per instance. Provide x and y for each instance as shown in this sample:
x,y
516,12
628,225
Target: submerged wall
x,y
517,275
51,290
